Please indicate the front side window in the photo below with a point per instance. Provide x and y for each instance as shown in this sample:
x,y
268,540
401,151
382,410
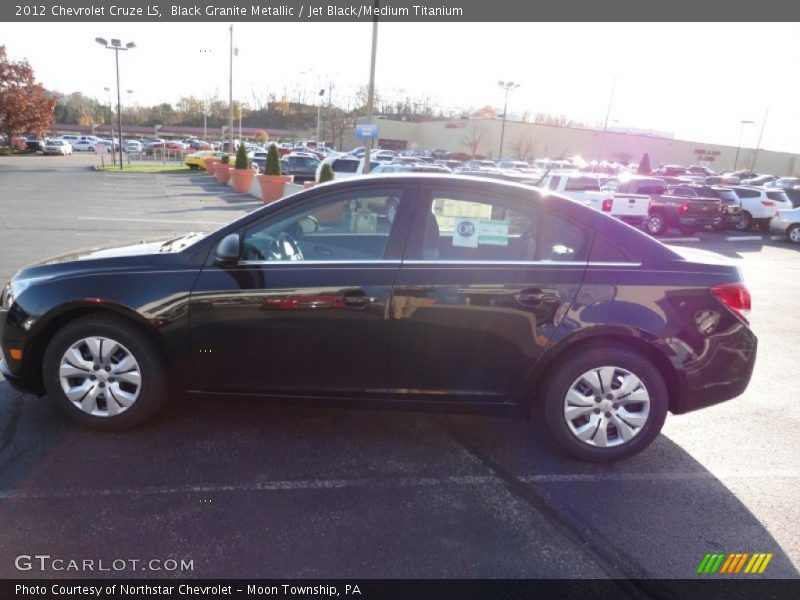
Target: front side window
x,y
347,226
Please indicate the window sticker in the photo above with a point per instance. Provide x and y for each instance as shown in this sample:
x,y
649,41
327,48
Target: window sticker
x,y
469,232
465,232
492,233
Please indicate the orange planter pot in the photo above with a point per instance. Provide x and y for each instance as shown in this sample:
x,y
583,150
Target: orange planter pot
x,y
272,186
242,180
223,172
210,162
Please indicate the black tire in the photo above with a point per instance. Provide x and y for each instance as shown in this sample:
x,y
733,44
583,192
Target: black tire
x,y
688,230
793,234
153,386
656,223
570,369
745,223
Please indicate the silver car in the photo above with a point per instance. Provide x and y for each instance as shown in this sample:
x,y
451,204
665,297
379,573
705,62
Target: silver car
x,y
786,222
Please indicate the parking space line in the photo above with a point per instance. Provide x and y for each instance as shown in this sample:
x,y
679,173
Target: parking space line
x,y
679,239
743,238
371,483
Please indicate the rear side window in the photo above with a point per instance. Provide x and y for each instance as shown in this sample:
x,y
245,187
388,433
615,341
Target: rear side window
x,y
479,227
742,193
345,166
582,184
779,196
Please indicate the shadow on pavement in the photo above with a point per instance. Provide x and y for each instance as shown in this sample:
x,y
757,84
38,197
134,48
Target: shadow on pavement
x,y
250,489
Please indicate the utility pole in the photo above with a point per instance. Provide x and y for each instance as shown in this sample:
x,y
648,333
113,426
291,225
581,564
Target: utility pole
x,y
230,97
608,114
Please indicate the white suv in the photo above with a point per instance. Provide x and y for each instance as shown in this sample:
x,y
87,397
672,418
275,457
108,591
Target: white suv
x,y
759,205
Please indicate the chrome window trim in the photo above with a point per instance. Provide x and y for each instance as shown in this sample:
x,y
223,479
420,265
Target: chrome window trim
x,y
478,263
297,263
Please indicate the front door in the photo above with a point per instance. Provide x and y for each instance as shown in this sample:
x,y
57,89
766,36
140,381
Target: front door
x,y
304,311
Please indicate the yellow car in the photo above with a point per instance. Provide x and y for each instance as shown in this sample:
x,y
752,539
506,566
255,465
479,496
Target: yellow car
x,y
197,160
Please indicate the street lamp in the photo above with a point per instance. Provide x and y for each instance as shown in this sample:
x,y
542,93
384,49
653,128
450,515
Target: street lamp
x,y
319,108
116,46
507,86
739,145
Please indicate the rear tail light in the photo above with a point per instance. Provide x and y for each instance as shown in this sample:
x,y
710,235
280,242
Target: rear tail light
x,y
736,297
607,204
683,208
767,203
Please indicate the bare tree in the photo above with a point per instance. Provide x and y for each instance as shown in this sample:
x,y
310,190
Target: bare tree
x,y
336,128
475,135
524,147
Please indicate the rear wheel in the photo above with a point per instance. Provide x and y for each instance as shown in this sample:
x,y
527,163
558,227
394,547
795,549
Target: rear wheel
x,y
604,405
793,234
656,224
104,373
745,223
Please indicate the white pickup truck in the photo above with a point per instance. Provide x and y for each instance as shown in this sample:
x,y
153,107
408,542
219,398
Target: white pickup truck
x,y
585,188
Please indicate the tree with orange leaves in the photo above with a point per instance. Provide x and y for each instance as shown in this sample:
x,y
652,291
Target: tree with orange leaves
x,y
25,106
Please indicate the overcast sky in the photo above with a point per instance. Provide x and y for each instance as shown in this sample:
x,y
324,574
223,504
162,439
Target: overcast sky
x,y
698,81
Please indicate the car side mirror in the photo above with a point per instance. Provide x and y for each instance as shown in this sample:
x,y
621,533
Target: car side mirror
x,y
228,250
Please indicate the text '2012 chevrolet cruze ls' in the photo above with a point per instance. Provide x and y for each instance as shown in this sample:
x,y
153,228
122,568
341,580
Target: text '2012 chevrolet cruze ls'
x,y
443,291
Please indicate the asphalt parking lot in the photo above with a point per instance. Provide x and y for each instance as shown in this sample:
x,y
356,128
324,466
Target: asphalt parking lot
x,y
252,490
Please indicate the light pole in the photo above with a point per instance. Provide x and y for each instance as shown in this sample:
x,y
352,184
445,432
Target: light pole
x,y
507,86
116,46
319,113
760,135
739,145
371,90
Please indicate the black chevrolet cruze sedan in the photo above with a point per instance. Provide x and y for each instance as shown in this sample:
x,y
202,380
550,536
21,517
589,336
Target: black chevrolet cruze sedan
x,y
416,290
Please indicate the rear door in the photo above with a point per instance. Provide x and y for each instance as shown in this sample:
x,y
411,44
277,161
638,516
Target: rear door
x,y
485,281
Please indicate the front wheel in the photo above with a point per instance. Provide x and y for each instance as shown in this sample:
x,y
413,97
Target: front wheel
x,y
793,234
604,405
104,373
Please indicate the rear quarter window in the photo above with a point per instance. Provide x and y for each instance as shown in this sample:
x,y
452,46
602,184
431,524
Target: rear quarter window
x,y
778,196
604,250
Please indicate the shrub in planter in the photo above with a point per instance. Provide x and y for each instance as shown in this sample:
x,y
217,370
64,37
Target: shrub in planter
x,y
241,174
326,174
222,169
272,182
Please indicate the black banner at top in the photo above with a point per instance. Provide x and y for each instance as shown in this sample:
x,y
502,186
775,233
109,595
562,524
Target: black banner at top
x,y
394,10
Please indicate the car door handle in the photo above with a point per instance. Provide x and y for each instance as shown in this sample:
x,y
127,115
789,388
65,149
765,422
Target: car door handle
x,y
355,300
535,297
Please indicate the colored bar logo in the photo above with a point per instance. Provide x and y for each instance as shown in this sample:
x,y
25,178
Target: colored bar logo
x,y
741,562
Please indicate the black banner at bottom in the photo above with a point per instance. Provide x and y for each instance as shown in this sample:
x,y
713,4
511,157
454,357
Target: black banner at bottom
x,y
405,589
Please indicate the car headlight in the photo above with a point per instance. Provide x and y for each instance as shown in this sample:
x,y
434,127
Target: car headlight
x,y
6,297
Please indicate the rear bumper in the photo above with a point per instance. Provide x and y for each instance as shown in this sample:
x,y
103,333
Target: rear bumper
x,y
721,372
699,221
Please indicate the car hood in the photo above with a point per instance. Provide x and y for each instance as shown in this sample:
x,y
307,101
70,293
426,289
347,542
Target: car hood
x,y
110,257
